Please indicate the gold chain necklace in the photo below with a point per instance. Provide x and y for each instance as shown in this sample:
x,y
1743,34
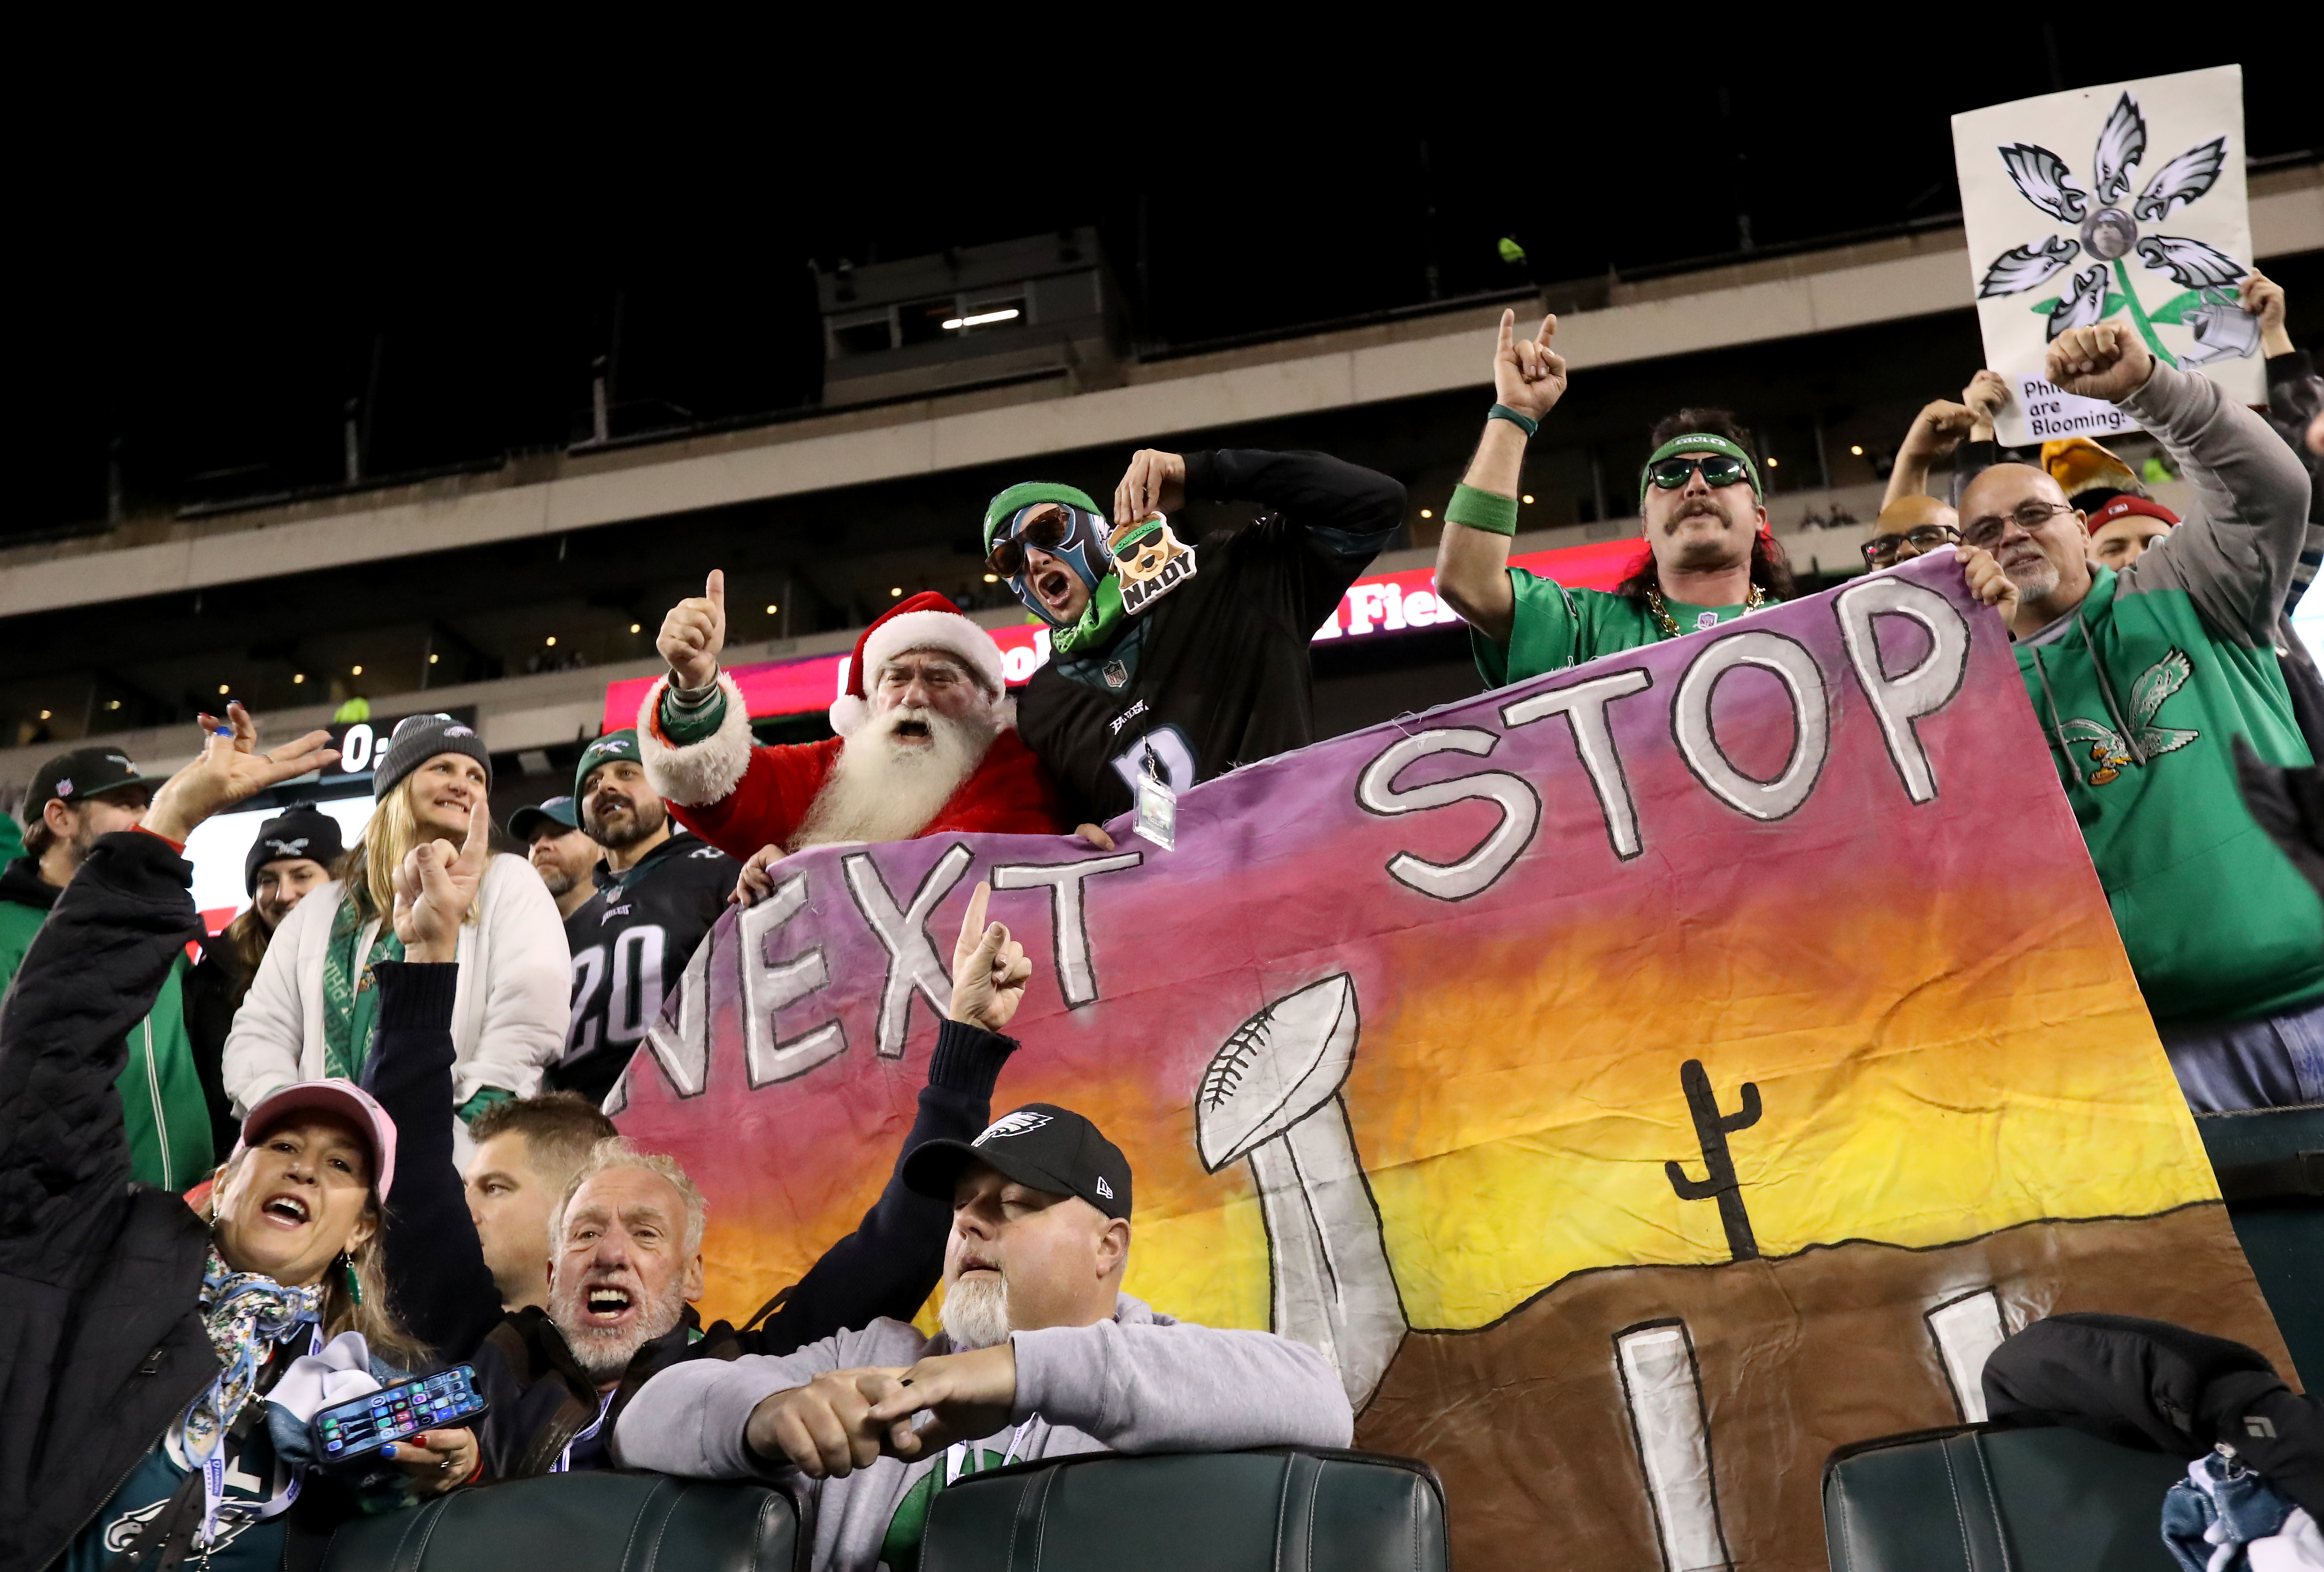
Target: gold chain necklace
x,y
1669,624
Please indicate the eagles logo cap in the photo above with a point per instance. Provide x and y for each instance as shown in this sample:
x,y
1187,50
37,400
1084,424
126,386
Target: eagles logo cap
x,y
1041,1145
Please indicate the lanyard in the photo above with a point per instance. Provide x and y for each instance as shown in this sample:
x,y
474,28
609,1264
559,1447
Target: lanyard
x,y
959,1461
213,1472
564,1463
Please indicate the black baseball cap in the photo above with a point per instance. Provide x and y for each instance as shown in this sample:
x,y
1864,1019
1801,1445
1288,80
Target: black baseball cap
x,y
82,774
558,816
1041,1144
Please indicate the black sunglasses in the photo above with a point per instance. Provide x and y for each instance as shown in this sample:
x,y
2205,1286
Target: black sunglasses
x,y
1881,550
1718,470
1045,530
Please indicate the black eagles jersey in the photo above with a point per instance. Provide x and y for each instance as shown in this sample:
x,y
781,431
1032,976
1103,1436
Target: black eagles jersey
x,y
630,941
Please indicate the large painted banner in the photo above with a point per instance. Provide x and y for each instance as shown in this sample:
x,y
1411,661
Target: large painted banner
x,y
1641,1080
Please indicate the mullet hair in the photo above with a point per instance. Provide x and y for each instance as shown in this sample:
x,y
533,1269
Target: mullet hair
x,y
1771,570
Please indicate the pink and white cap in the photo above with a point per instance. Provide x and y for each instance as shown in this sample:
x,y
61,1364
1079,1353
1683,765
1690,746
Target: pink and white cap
x,y
335,1095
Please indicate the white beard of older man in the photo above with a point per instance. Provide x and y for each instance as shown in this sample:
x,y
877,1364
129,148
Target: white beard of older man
x,y
927,743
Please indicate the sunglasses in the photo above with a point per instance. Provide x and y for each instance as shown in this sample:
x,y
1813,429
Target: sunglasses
x,y
1718,470
1045,531
1884,550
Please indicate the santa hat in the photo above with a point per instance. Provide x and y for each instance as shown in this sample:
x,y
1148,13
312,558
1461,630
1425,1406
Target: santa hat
x,y
923,621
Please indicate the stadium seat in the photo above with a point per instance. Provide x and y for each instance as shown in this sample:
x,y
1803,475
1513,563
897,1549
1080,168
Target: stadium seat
x,y
1280,1510
1984,1499
2269,1163
579,1523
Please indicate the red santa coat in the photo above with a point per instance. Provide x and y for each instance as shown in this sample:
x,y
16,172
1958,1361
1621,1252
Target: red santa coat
x,y
739,797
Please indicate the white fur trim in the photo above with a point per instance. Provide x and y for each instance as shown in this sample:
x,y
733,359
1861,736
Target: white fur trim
x,y
704,772
943,630
848,714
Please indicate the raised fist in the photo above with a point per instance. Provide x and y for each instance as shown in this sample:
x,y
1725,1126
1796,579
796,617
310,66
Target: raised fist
x,y
2106,360
694,633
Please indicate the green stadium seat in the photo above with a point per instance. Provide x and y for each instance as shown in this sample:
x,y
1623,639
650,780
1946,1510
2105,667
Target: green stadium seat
x,y
580,1523
1984,1499
1276,1510
2269,1163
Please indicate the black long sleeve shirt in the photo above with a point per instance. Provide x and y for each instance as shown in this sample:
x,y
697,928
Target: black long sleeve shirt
x,y
541,1401
1214,673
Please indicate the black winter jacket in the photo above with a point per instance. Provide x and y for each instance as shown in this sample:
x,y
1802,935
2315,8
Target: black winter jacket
x,y
101,1342
540,1399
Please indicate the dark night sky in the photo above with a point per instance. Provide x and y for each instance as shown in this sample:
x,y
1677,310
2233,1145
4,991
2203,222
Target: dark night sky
x,y
215,247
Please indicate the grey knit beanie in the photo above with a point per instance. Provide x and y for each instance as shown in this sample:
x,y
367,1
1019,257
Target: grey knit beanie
x,y
415,740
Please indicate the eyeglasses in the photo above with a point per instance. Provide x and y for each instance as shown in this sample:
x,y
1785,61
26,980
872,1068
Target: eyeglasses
x,y
1718,470
1886,550
1045,531
2029,516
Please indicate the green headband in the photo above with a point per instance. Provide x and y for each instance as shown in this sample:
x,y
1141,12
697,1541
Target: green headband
x,y
1695,442
997,511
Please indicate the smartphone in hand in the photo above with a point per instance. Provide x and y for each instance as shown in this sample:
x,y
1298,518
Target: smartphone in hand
x,y
360,1425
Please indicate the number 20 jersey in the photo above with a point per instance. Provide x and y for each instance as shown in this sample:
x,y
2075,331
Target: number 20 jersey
x,y
630,941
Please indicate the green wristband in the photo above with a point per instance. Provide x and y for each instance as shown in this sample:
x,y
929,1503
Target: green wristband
x,y
1488,510
1525,423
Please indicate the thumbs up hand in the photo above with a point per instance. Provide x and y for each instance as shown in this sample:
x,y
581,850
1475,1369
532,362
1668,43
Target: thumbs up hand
x,y
694,633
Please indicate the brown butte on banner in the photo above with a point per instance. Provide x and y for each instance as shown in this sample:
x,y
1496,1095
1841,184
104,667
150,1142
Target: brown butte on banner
x,y
1527,1416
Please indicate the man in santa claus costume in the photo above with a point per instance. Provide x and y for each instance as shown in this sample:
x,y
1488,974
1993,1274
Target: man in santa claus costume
x,y
928,742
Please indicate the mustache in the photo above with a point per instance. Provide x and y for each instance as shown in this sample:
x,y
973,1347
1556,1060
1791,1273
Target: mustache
x,y
1699,505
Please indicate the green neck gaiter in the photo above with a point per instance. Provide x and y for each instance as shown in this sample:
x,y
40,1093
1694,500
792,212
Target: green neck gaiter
x,y
1101,618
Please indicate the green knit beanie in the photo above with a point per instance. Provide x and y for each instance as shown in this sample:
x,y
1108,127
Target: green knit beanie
x,y
1024,495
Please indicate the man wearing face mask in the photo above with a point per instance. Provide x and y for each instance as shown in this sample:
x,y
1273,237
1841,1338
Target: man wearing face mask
x,y
659,892
1710,557
1182,659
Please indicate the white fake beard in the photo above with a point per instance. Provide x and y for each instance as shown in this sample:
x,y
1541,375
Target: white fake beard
x,y
604,1355
975,1314
879,790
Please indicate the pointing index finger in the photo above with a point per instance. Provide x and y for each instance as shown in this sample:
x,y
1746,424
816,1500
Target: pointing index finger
x,y
1507,344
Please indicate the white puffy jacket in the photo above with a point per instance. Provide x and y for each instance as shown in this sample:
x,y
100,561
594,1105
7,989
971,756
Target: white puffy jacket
x,y
508,1018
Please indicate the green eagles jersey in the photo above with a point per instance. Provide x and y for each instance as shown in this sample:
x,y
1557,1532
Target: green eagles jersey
x,y
1555,628
163,1105
2140,700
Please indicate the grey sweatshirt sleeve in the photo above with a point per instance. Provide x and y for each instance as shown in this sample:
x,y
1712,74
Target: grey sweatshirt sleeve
x,y
2236,560
689,1420
1171,1387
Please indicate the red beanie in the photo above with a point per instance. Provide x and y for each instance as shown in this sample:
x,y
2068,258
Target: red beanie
x,y
923,621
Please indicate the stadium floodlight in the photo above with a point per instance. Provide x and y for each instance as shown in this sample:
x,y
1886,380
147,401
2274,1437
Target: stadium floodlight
x,y
1006,314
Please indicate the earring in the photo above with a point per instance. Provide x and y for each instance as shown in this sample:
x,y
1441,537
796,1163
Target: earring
x,y
355,1284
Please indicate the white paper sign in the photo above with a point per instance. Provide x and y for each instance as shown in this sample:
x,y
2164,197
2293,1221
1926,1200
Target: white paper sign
x,y
2125,201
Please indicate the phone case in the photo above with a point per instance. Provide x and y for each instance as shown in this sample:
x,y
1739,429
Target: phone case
x,y
393,1413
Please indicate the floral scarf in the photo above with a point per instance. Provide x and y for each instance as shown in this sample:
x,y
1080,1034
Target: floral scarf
x,y
249,1317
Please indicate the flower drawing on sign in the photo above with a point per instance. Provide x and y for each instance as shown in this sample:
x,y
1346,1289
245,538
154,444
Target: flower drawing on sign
x,y
2105,225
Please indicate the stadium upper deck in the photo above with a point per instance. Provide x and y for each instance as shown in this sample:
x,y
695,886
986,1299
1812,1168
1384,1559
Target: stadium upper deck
x,y
572,557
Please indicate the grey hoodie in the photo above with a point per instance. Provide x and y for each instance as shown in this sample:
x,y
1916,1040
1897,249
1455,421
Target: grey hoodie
x,y
1140,1382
